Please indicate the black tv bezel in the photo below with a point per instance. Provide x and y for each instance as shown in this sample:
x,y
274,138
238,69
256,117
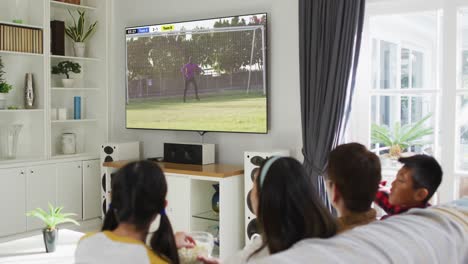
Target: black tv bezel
x,y
206,131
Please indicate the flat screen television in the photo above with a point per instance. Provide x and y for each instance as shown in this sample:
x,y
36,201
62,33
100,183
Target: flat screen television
x,y
205,75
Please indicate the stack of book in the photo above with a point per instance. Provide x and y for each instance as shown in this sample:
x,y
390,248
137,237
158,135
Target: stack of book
x,y
20,39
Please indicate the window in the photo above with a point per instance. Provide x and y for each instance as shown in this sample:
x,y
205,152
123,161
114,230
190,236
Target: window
x,y
403,96
413,71
414,68
461,123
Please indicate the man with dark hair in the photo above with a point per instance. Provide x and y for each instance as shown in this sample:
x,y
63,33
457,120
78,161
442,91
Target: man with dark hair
x,y
188,71
414,185
353,177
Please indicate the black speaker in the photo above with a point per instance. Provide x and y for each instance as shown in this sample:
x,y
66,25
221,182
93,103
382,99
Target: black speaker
x,y
198,154
113,151
252,162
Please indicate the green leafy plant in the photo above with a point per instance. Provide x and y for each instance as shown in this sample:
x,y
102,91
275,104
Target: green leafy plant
x,y
4,87
400,137
77,31
65,67
52,218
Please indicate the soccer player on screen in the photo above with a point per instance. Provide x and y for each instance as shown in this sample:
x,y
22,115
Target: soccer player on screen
x,y
188,71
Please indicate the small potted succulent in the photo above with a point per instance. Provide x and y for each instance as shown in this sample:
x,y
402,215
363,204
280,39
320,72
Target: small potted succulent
x,y
78,34
66,67
400,138
51,219
4,87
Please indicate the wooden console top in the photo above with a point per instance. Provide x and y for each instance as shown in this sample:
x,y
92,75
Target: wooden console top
x,y
210,170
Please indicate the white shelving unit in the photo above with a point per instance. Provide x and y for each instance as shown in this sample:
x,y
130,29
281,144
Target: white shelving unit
x,y
41,173
17,53
62,89
24,25
73,121
90,84
73,58
40,136
189,208
71,6
21,110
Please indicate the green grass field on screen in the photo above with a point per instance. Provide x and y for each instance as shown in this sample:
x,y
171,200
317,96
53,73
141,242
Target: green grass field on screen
x,y
231,112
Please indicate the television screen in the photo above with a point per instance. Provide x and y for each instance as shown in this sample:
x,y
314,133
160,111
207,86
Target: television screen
x,y
204,75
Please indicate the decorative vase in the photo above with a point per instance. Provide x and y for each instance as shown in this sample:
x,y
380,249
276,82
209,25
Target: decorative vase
x,y
67,83
3,100
29,96
215,199
50,237
68,143
79,48
9,140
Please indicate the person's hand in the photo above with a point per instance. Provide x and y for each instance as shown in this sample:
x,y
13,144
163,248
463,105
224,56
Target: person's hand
x,y
183,240
384,187
208,260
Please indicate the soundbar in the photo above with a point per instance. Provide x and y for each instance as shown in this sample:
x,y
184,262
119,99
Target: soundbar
x,y
189,153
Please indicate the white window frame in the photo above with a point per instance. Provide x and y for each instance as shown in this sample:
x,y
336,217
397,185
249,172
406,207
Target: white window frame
x,y
447,86
397,91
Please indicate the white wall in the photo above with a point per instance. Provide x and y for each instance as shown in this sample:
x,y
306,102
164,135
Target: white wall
x,y
283,55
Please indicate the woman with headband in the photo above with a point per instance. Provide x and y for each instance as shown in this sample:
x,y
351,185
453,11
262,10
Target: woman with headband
x,y
138,195
287,208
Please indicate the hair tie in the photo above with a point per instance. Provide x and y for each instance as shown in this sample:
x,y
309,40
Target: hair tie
x,y
266,167
163,211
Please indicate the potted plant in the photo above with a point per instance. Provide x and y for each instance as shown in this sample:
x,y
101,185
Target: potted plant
x,y
400,137
51,219
4,87
78,34
65,67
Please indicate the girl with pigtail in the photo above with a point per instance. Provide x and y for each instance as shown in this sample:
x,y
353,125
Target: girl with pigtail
x,y
138,196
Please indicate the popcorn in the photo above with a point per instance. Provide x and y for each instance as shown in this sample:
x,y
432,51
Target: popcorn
x,y
204,247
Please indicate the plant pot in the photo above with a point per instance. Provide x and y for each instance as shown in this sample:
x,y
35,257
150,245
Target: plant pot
x,y
3,100
79,48
67,83
50,237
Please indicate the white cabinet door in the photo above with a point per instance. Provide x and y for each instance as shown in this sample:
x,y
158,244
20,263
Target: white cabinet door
x,y
91,189
178,202
69,188
12,201
41,189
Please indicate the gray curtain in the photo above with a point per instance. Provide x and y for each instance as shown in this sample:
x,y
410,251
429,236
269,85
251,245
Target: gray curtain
x,y
329,42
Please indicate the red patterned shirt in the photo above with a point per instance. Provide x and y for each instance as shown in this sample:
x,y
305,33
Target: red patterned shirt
x,y
382,200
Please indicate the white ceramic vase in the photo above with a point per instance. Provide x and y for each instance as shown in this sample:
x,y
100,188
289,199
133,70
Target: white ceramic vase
x,y
3,100
67,83
79,48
